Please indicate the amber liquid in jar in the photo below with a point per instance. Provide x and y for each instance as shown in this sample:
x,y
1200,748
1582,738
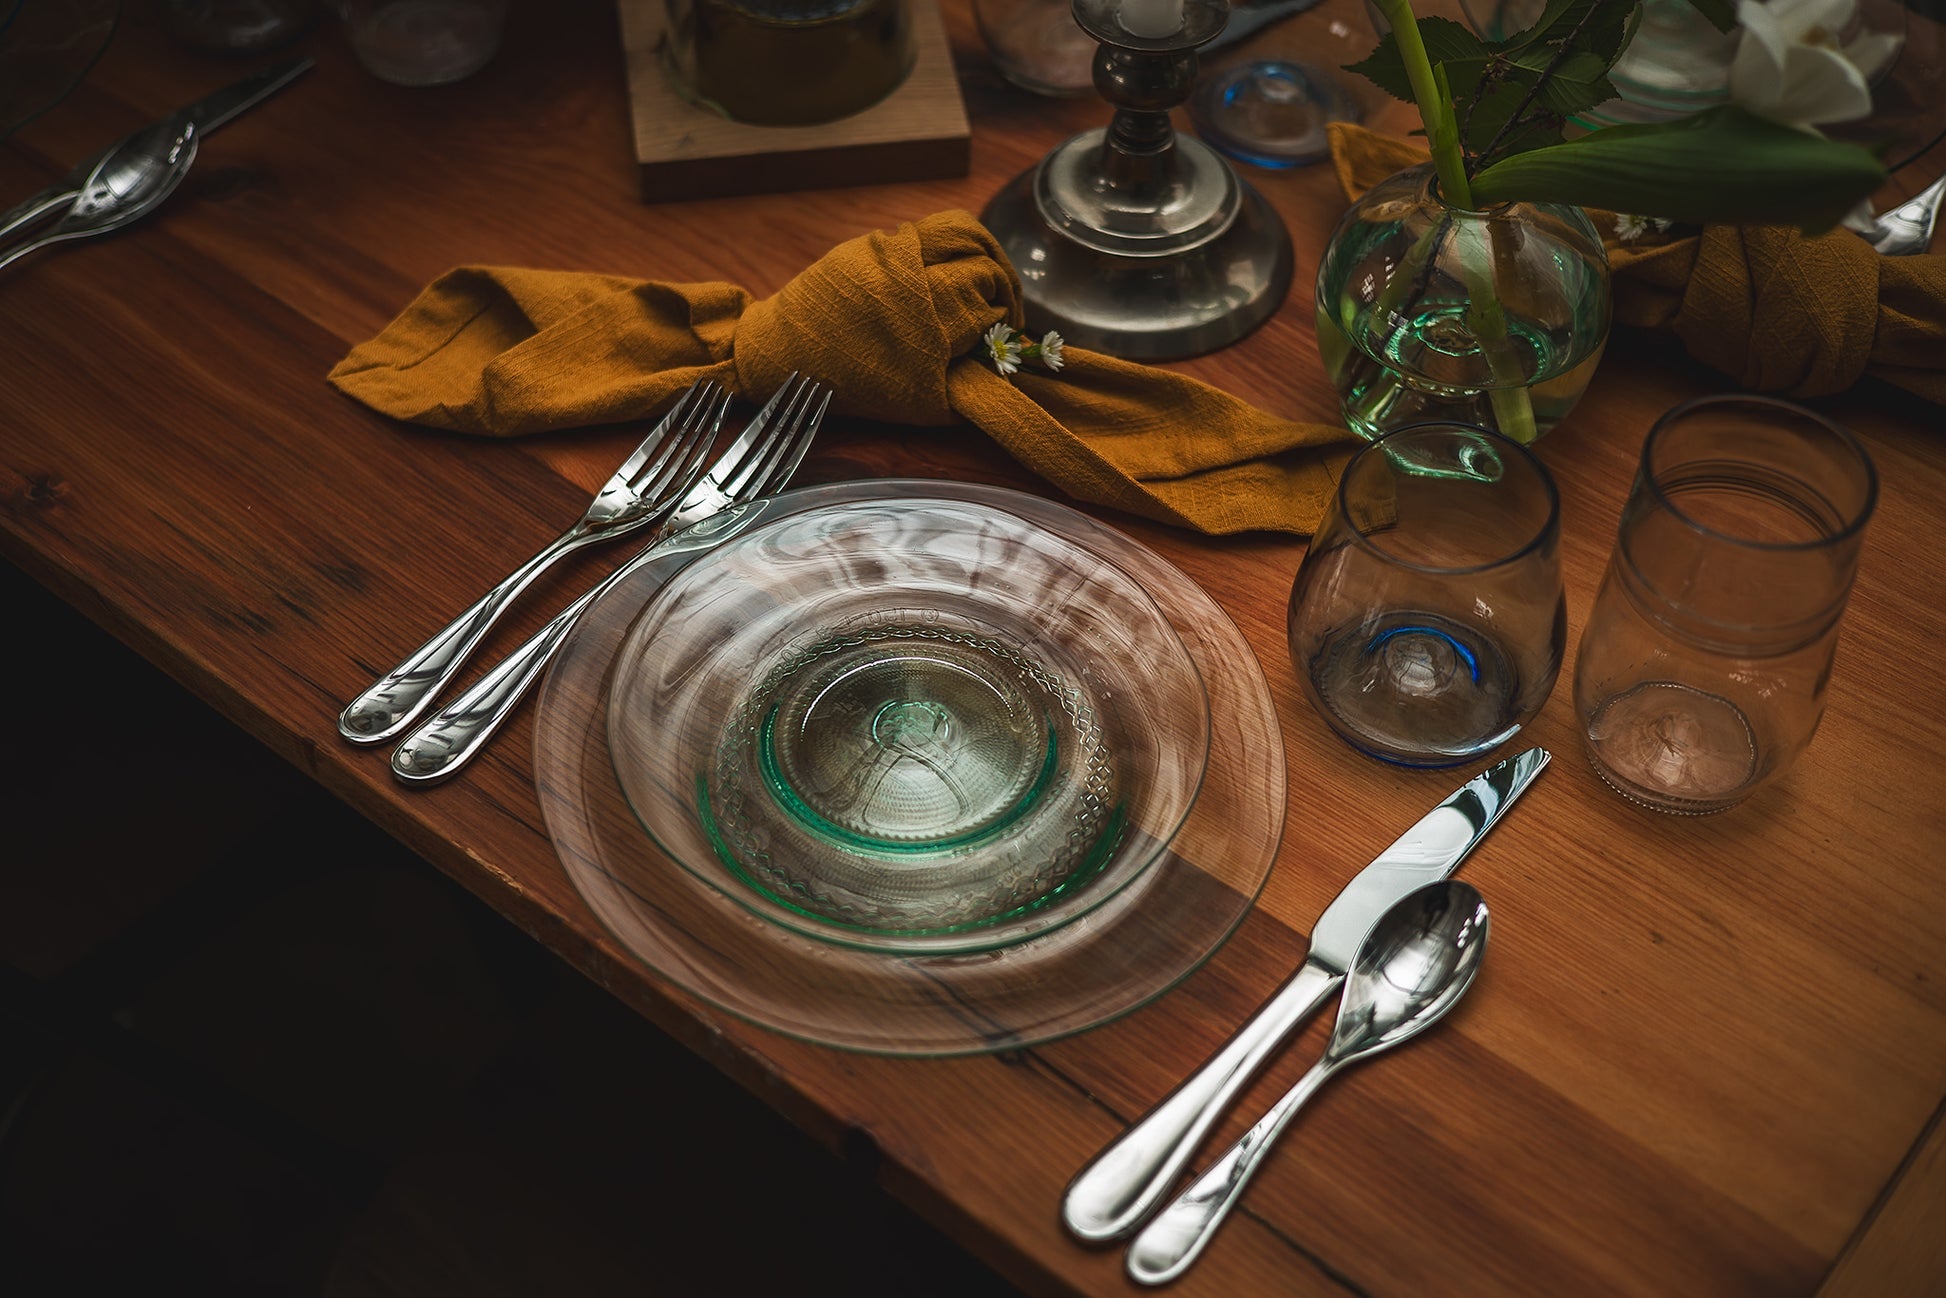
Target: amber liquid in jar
x,y
788,62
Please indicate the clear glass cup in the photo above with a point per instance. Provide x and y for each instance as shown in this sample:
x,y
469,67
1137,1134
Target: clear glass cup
x,y
1037,45
1702,671
1427,621
788,62
423,42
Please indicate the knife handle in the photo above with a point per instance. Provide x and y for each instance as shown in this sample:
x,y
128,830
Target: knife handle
x,y
1129,1178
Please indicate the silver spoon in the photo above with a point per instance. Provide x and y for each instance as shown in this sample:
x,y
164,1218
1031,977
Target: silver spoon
x,y
126,185
1413,966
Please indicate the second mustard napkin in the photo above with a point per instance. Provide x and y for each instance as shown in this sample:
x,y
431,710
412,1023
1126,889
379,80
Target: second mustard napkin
x,y
892,321
1774,309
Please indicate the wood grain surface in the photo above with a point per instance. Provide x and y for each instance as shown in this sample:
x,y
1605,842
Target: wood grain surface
x,y
1702,1053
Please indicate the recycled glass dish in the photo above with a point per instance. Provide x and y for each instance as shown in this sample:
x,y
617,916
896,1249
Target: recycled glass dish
x,y
694,925
918,725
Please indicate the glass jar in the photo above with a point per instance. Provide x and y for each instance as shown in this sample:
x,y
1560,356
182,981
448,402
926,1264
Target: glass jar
x,y
787,62
1703,666
1428,312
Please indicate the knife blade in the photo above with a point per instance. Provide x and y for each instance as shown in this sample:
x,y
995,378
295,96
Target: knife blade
x,y
1129,1178
208,113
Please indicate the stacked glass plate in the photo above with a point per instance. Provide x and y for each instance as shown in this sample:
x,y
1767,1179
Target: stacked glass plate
x,y
913,767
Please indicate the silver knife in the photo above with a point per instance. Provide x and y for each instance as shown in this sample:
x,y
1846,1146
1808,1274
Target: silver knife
x,y
207,113
1129,1178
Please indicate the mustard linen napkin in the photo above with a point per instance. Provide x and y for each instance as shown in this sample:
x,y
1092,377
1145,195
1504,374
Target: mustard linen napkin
x,y
891,321
1777,311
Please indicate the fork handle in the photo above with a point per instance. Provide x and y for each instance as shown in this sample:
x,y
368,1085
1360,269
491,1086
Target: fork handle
x,y
438,749
397,698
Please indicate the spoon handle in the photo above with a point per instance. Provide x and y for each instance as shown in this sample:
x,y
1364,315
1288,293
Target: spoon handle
x,y
1167,1245
1128,1178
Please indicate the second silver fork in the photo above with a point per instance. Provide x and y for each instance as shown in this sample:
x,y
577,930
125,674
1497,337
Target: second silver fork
x,y
650,484
759,462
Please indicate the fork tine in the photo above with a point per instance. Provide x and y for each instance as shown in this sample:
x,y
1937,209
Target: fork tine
x,y
667,436
687,454
789,437
791,448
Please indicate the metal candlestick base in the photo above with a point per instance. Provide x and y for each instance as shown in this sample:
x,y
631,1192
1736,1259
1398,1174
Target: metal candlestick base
x,y
1130,239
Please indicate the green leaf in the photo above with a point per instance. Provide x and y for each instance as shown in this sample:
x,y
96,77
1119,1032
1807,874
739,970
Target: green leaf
x,y
1453,44
1606,31
1721,13
1725,166
1384,67
1580,81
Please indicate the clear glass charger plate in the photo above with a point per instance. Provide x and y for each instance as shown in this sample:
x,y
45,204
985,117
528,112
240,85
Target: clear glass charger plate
x,y
701,933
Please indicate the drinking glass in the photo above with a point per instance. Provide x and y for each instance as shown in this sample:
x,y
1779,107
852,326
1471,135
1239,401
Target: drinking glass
x,y
788,62
1702,670
1037,45
1427,619
423,42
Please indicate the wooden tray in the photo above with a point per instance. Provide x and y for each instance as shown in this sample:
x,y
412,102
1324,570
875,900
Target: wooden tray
x,y
918,132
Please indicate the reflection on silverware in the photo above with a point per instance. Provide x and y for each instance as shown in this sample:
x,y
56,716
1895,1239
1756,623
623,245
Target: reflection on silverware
x,y
125,186
759,462
1128,1178
1907,228
206,115
649,485
1412,968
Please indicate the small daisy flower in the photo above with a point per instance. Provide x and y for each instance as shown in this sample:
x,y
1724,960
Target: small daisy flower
x,y
1629,228
1002,348
1050,350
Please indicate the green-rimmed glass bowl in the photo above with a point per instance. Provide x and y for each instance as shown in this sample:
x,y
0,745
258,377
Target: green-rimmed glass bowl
x,y
920,726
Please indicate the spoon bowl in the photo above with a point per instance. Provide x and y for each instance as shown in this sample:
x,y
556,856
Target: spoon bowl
x,y
1412,968
129,182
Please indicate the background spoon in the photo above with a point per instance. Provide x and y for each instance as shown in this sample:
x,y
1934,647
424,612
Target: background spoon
x,y
1413,966
126,185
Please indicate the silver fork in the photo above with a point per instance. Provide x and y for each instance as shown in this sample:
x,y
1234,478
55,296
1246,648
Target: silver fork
x,y
753,466
644,490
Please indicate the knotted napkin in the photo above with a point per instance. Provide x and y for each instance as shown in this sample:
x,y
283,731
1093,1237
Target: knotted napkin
x,y
1777,311
892,321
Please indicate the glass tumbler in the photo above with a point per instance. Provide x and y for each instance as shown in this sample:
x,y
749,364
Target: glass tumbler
x,y
1427,620
1037,45
788,62
423,42
1702,670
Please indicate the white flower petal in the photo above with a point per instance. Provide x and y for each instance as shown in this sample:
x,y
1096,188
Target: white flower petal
x,y
1821,85
1764,41
1870,52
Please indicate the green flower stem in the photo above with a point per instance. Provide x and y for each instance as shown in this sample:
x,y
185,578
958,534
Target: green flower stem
x,y
1513,408
1435,106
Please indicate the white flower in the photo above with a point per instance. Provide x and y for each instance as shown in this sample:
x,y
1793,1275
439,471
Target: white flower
x,y
1002,349
1051,345
1629,228
1790,67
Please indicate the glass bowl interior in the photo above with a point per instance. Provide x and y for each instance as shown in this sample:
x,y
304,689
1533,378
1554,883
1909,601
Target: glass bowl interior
x,y
918,725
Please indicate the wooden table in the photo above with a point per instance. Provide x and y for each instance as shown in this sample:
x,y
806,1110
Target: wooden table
x,y
1706,1057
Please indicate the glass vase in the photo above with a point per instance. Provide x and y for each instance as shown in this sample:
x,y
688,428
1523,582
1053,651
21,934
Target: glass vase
x,y
1431,313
